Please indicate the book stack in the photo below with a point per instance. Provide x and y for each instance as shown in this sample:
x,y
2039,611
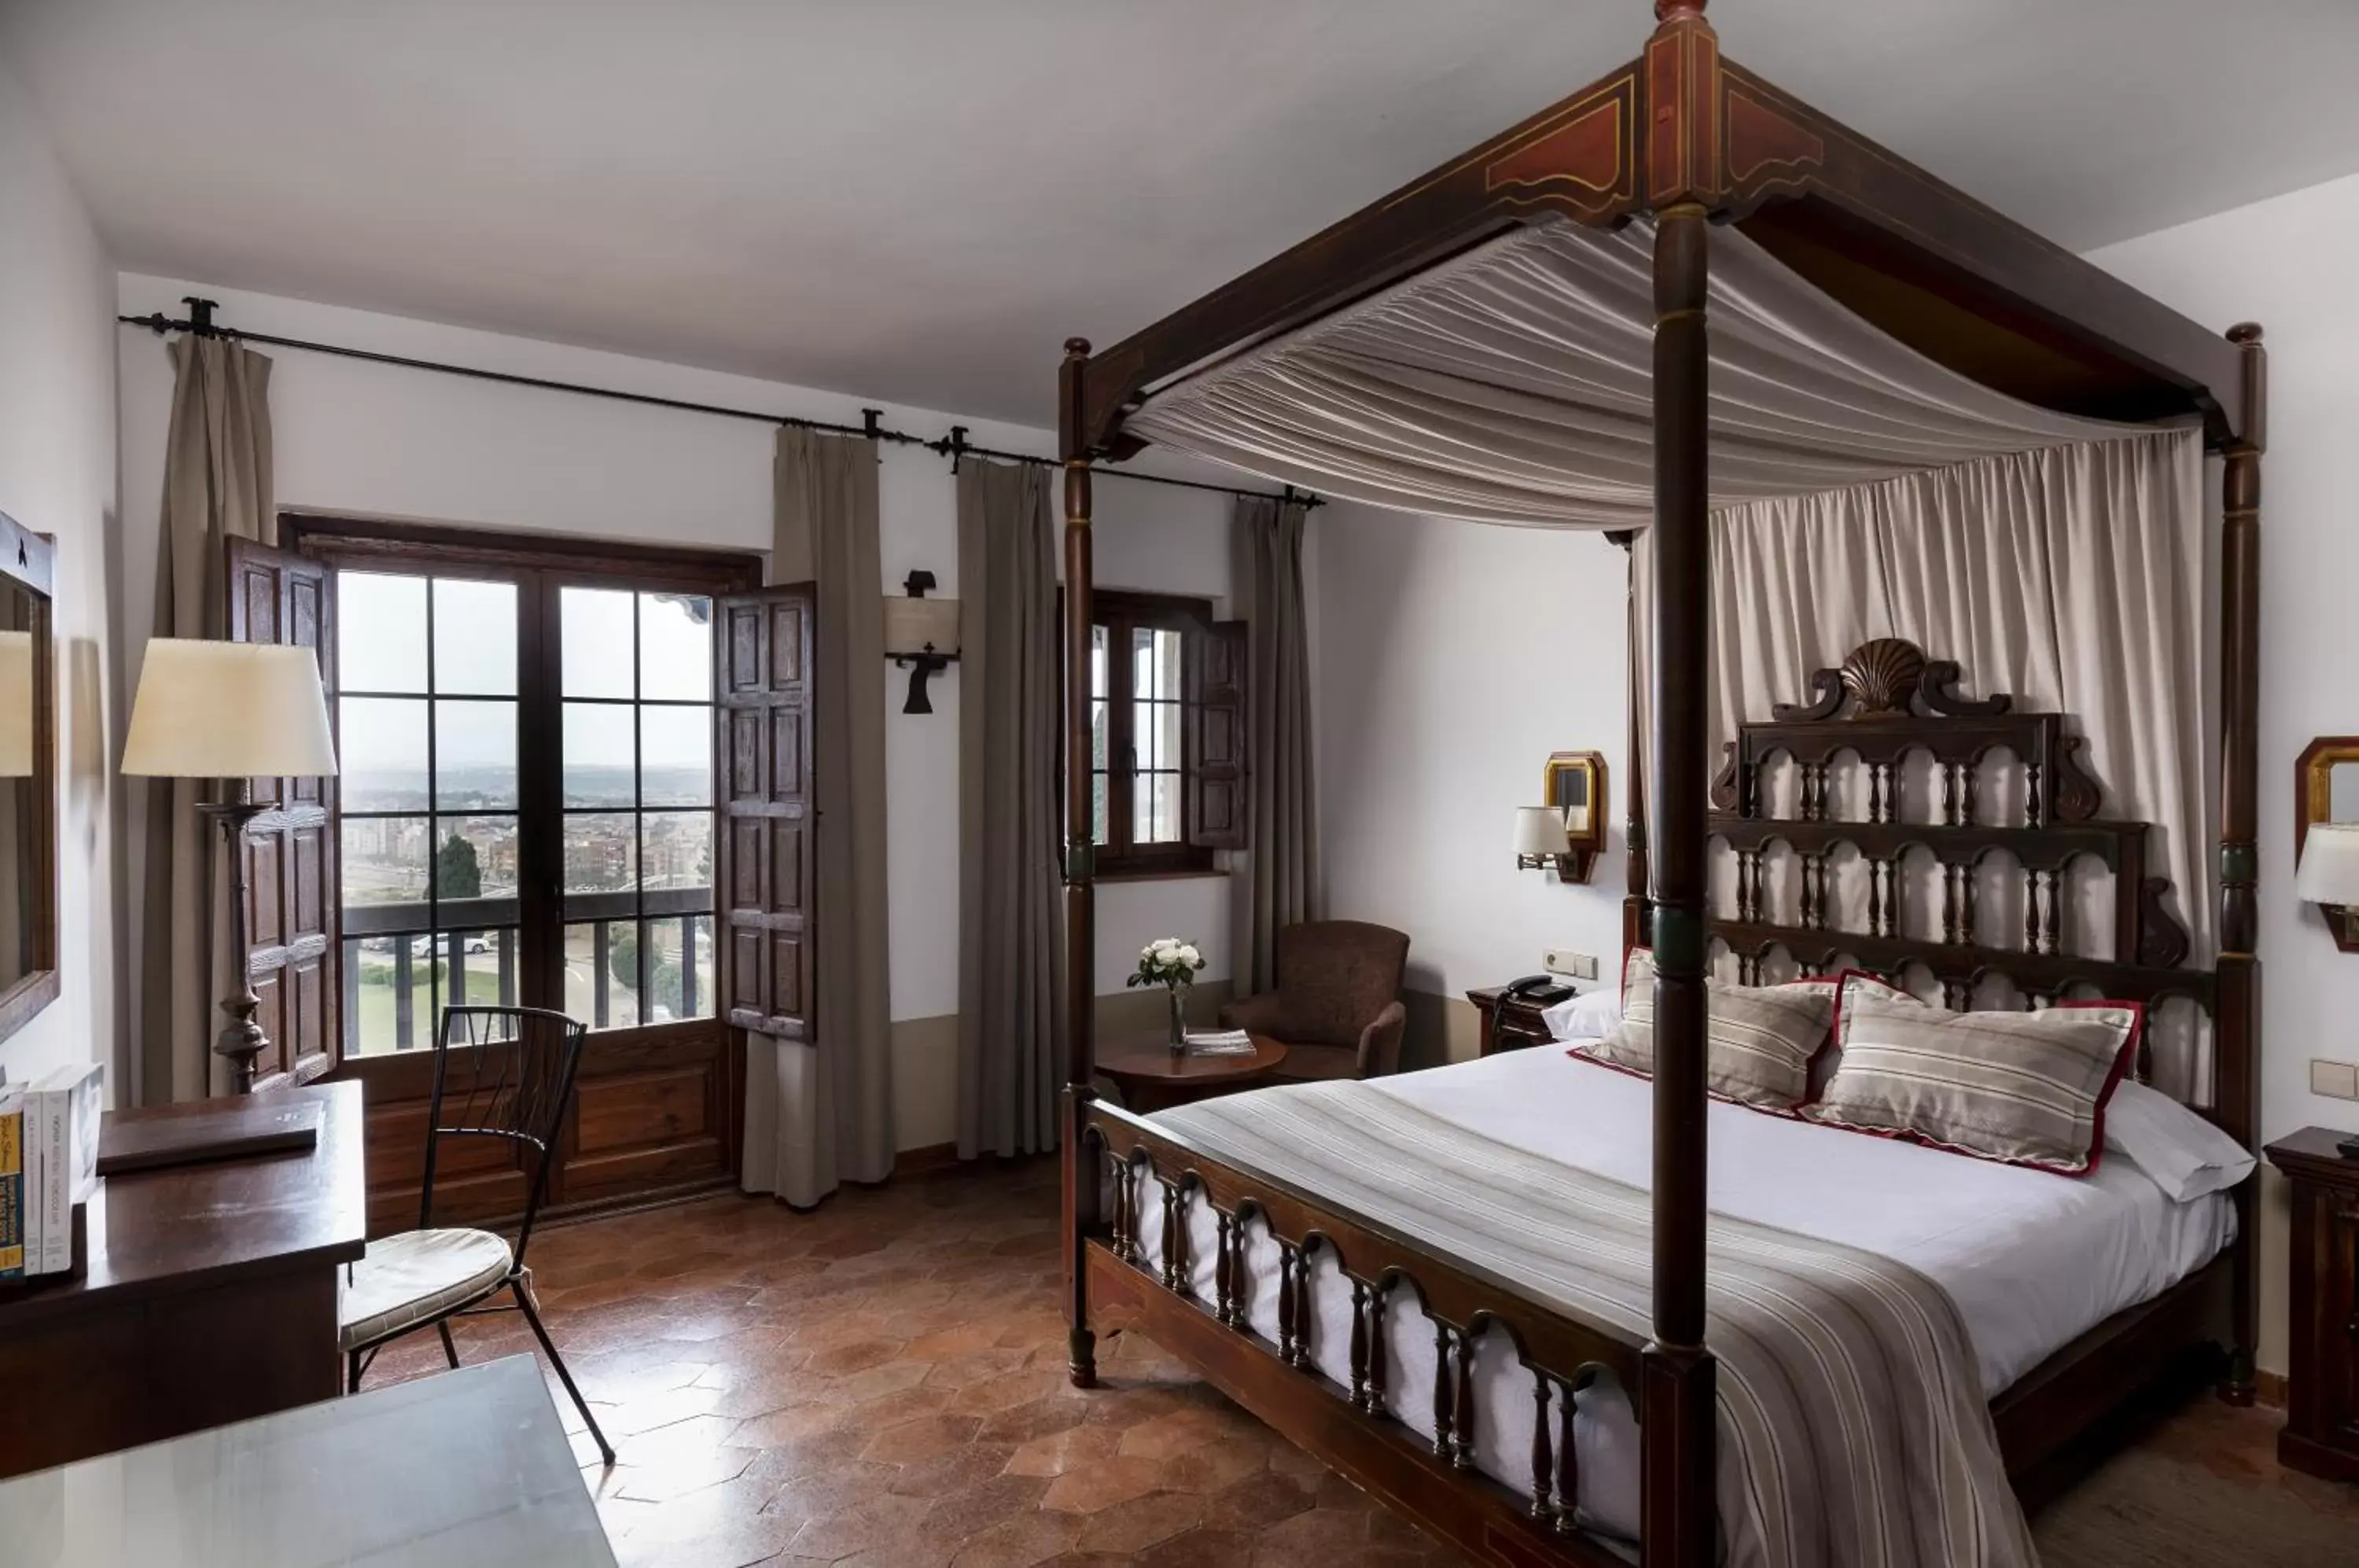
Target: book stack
x,y
1220,1043
49,1162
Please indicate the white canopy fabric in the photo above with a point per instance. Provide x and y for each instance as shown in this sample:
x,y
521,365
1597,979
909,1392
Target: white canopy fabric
x,y
1514,384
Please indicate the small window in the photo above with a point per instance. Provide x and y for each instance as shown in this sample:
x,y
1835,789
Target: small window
x,y
1148,705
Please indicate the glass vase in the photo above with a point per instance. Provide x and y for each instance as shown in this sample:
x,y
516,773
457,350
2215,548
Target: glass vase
x,y
1179,1021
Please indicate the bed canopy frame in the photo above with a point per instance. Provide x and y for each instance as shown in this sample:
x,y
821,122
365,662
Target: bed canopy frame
x,y
1689,140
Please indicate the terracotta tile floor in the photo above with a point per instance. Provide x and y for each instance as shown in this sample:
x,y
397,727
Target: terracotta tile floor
x,y
880,1383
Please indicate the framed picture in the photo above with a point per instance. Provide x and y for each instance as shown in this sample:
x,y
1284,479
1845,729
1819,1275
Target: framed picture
x,y
1575,785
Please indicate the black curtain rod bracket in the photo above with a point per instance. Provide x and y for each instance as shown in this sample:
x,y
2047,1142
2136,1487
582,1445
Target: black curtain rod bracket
x,y
201,323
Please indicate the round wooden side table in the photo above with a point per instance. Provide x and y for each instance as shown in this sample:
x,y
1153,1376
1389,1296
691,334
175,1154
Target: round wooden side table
x,y
1152,1079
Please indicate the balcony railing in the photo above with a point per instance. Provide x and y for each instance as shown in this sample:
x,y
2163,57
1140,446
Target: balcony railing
x,y
470,946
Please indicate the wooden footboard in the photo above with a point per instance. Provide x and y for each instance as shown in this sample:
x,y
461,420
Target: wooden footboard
x,y
1349,1427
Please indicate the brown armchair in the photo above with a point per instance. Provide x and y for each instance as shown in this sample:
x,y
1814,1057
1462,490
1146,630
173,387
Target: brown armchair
x,y
1337,1007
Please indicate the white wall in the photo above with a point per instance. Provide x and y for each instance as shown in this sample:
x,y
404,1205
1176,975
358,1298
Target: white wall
x,y
56,476
1451,658
2286,263
379,440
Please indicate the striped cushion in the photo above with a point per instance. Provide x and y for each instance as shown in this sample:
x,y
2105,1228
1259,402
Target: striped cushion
x,y
1758,1039
2024,1088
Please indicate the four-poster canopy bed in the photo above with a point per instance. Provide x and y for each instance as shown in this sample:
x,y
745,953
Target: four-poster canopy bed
x,y
1718,167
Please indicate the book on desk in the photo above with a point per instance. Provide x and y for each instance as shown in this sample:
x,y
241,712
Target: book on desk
x,y
48,1165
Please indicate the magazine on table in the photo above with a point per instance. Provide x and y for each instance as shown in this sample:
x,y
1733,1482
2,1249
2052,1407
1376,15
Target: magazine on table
x,y
1220,1043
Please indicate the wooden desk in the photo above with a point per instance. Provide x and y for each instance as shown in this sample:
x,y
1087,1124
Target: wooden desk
x,y
210,1297
465,1470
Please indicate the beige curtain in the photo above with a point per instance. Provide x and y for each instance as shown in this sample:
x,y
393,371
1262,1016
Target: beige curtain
x,y
217,486
1011,929
2067,577
1515,383
820,1112
1281,885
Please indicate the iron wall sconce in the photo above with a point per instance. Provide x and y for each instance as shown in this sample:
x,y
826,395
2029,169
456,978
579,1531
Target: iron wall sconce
x,y
921,635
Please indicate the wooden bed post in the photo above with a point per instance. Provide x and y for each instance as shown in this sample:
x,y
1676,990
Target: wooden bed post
x,y
1080,1174
1678,1510
2237,1012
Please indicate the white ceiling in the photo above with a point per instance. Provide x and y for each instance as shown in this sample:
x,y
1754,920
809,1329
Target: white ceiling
x,y
921,200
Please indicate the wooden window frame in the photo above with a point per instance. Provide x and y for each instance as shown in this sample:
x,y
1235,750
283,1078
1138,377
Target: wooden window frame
x,y
1122,611
658,1107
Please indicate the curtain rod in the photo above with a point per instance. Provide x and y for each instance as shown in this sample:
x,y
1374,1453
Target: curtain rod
x,y
954,446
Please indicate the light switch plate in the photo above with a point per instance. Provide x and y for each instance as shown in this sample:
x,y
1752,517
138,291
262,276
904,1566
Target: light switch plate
x,y
2336,1080
1572,965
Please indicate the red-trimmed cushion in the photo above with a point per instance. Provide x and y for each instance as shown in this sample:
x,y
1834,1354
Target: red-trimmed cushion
x,y
2022,1088
1759,1042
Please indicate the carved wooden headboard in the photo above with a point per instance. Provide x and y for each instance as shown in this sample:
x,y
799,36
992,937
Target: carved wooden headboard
x,y
1886,705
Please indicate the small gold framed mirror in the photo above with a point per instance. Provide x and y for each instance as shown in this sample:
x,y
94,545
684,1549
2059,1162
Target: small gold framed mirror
x,y
1574,784
2326,793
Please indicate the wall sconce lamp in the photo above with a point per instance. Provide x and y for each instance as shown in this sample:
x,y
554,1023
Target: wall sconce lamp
x,y
921,635
1569,832
2328,876
1540,838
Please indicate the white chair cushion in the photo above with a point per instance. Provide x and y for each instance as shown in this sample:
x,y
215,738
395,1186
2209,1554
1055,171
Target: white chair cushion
x,y
410,1279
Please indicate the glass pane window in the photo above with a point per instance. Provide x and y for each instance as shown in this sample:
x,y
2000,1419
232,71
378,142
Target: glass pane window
x,y
599,649
448,820
429,729
1140,647
474,755
380,632
638,726
474,637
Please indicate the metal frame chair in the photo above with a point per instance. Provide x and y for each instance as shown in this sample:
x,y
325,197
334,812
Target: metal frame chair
x,y
515,1081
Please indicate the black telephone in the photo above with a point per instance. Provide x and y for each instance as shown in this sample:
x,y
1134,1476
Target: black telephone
x,y
1542,990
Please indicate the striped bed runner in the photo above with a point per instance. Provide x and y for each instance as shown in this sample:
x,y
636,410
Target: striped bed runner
x,y
1853,1426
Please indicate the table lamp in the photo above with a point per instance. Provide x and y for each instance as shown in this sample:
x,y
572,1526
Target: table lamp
x,y
2328,872
236,712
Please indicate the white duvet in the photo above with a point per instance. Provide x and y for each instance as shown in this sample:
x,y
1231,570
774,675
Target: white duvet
x,y
2032,1260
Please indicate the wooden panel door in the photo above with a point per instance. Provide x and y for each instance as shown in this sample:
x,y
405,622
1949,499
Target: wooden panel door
x,y
290,851
764,717
1215,734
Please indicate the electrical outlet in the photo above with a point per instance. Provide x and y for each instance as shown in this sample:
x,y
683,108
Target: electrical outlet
x,y
1572,965
2336,1080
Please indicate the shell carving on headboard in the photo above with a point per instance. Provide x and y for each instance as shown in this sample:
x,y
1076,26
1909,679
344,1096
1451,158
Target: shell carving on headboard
x,y
1889,678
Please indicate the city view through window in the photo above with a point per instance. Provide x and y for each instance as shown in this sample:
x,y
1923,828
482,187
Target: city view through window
x,y
441,825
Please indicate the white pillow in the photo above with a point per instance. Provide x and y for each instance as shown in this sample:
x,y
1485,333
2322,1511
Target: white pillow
x,y
1589,1016
2187,1156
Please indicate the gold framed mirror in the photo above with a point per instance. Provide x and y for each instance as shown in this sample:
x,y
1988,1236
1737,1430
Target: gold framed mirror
x,y
1574,784
28,777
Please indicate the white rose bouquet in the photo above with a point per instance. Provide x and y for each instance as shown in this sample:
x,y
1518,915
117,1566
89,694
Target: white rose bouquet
x,y
1171,963
1168,961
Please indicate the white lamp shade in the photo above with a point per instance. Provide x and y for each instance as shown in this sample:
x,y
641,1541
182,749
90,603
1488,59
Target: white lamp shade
x,y
16,704
1539,830
228,709
910,624
2329,873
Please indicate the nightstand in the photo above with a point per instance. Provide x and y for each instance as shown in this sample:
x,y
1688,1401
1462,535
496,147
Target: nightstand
x,y
1509,1023
2322,1430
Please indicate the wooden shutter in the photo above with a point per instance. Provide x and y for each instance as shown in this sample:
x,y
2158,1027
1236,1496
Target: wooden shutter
x,y
291,875
763,684
1215,748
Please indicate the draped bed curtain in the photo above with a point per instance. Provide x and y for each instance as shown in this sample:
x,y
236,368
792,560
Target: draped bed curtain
x,y
1011,1039
1859,489
1280,886
820,1112
217,486
2067,576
